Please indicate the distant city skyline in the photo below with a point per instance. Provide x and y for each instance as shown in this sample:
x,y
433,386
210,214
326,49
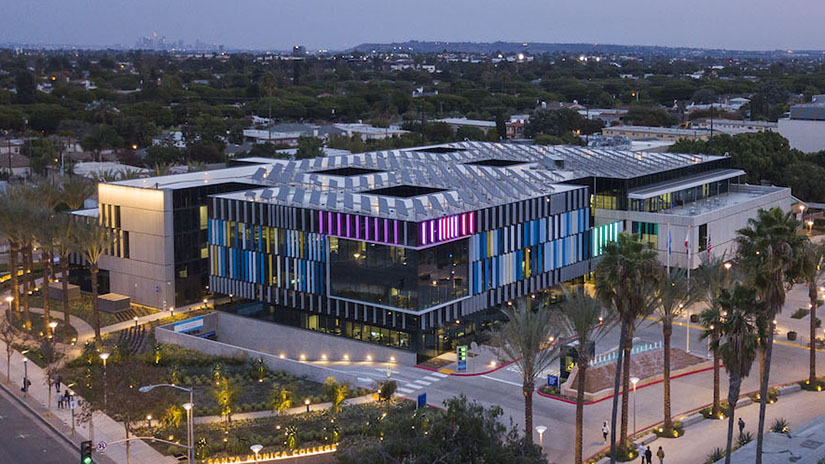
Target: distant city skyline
x,y
323,24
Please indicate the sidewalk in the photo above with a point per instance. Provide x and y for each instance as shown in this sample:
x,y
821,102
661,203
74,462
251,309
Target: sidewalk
x,y
105,428
702,438
291,411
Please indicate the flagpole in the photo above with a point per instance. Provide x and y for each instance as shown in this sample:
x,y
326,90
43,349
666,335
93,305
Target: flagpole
x,y
687,326
669,240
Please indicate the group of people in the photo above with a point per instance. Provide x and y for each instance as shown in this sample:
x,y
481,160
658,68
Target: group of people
x,y
645,453
65,399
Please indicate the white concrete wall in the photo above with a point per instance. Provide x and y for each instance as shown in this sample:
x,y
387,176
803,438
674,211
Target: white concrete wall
x,y
147,276
808,136
722,226
293,342
165,334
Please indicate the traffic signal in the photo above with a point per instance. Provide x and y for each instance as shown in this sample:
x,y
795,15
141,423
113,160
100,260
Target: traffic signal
x,y
86,452
462,353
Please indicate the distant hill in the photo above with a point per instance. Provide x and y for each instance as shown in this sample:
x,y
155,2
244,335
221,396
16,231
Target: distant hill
x,y
537,48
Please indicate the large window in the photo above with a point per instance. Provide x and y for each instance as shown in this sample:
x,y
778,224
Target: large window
x,y
397,276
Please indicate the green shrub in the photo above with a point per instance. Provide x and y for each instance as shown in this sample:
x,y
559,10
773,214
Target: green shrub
x,y
550,390
819,385
743,439
800,313
780,425
678,431
723,408
715,455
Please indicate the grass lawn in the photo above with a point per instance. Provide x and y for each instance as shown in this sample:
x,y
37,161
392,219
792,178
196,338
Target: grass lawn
x,y
317,428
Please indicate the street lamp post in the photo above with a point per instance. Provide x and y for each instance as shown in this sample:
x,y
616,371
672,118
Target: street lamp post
x,y
9,300
52,326
190,422
104,357
25,377
306,402
634,381
256,449
541,429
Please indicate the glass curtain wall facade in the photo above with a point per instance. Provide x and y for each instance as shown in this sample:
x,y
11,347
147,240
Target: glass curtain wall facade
x,y
397,276
439,283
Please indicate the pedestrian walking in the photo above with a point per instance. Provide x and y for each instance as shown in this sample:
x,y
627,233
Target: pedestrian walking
x,y
59,401
741,426
57,383
661,455
641,451
605,431
649,455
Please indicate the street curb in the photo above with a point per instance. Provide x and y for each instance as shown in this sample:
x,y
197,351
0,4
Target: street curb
x,y
40,418
744,400
565,400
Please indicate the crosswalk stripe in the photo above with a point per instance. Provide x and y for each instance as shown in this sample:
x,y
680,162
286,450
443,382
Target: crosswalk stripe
x,y
413,386
403,390
432,379
439,374
422,382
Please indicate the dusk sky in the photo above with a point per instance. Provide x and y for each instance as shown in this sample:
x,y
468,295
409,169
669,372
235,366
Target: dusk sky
x,y
336,25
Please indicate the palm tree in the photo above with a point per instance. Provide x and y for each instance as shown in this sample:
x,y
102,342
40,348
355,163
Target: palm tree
x,y
768,252
65,245
812,272
673,296
46,234
93,242
625,280
588,321
10,229
75,190
741,334
525,339
713,275
711,321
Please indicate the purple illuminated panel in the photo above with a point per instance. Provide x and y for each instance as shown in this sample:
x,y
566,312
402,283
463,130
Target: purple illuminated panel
x,y
446,228
349,226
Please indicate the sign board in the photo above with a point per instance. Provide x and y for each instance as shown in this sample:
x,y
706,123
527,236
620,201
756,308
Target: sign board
x,y
101,446
72,404
189,324
461,355
422,400
552,380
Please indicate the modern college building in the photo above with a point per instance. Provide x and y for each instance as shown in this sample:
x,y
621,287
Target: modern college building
x,y
415,249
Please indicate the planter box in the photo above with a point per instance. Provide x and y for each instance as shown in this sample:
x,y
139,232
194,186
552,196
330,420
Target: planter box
x,y
791,335
789,389
56,291
114,303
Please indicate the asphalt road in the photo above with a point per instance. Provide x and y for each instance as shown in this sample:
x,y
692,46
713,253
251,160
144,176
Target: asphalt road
x,y
24,440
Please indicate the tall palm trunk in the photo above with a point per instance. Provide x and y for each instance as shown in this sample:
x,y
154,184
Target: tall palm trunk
x,y
716,394
64,269
812,349
667,332
47,268
617,379
733,397
14,249
93,270
763,389
26,286
628,347
528,388
580,408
